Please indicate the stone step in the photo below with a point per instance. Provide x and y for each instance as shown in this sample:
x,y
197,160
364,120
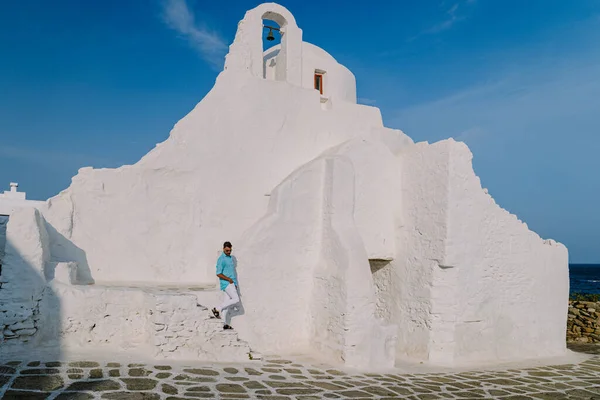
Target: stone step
x,y
185,329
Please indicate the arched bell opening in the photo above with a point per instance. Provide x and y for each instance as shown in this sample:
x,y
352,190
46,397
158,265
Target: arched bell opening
x,y
271,39
268,36
274,46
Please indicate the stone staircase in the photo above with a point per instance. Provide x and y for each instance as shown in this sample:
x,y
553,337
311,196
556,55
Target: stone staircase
x,y
169,323
184,329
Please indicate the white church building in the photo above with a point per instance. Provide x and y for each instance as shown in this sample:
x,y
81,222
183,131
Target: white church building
x,y
353,243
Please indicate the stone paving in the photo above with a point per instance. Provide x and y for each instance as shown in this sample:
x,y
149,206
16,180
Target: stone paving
x,y
283,379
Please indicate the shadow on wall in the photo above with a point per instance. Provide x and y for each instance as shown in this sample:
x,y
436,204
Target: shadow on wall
x,y
64,251
3,222
30,308
30,312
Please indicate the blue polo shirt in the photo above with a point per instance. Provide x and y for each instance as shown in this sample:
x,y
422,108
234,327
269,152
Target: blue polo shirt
x,y
225,267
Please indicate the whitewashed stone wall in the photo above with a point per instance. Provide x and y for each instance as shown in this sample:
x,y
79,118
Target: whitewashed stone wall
x,y
26,252
42,304
185,330
3,223
163,323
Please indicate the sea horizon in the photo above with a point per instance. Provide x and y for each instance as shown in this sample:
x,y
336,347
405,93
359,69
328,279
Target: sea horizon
x,y
584,278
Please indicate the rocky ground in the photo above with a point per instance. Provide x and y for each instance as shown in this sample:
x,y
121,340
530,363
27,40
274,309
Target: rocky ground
x,y
283,379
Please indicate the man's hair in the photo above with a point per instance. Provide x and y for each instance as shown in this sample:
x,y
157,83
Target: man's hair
x,y
227,244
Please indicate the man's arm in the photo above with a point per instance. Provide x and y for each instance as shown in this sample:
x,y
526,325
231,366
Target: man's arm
x,y
220,272
225,278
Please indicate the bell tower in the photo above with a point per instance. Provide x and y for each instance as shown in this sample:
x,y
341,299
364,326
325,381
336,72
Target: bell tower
x,y
246,52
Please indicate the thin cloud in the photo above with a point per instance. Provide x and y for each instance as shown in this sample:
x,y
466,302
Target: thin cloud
x,y
55,159
514,108
209,45
471,135
450,20
367,101
452,17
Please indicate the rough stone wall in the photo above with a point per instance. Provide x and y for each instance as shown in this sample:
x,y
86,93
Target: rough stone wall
x,y
145,321
96,316
55,312
3,223
22,280
185,330
382,279
583,324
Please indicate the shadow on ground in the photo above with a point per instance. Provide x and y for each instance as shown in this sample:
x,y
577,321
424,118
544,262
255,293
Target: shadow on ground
x,y
587,348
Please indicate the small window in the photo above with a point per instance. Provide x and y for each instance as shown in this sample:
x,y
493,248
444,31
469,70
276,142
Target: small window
x,y
319,82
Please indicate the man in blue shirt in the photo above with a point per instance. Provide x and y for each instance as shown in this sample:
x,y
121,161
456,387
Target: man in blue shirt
x,y
228,282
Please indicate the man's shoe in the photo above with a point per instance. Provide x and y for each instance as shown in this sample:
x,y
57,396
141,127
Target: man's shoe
x,y
216,313
225,327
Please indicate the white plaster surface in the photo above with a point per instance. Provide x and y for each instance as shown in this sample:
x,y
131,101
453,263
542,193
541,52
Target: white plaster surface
x,y
475,284
353,243
490,245
206,183
324,289
246,52
339,82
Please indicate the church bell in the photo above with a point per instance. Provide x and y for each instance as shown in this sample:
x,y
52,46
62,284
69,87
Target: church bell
x,y
270,36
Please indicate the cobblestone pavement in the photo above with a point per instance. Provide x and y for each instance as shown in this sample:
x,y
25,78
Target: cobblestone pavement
x,y
284,379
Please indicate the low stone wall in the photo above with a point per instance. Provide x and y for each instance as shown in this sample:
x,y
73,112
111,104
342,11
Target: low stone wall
x,y
21,282
583,324
3,223
184,330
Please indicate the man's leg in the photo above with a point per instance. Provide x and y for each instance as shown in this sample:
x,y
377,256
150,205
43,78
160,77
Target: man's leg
x,y
230,298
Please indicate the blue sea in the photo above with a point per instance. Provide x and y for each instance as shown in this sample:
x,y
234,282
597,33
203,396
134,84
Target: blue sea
x,y
584,278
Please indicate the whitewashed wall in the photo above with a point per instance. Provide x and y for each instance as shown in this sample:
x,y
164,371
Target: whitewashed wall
x,y
307,285
9,204
339,83
164,218
504,271
467,267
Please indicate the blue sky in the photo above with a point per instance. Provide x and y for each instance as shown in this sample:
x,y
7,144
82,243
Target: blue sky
x,y
101,82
